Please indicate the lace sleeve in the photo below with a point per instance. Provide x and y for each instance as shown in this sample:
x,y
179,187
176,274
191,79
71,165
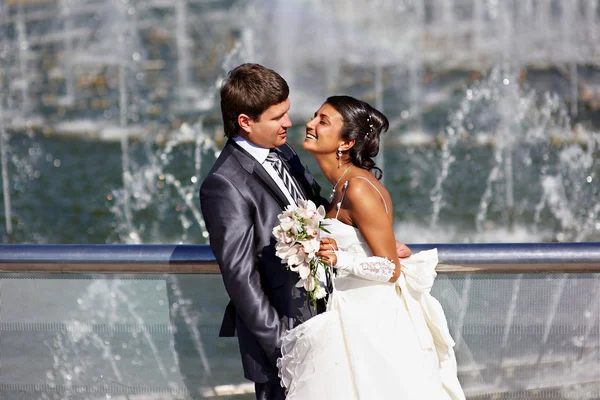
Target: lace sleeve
x,y
372,268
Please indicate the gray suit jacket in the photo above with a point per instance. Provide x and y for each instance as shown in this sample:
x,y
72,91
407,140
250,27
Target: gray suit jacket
x,y
240,203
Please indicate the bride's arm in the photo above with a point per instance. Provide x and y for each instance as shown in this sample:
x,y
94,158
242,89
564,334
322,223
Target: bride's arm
x,y
367,211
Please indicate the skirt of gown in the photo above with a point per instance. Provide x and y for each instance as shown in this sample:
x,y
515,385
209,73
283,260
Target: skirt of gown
x,y
365,346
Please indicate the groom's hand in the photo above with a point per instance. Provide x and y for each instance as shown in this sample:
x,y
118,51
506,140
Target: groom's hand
x,y
327,251
402,250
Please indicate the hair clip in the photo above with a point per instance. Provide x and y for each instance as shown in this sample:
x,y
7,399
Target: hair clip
x,y
371,130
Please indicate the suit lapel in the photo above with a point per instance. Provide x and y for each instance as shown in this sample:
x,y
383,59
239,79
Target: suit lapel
x,y
250,164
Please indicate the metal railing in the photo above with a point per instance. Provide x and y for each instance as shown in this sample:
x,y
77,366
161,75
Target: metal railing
x,y
199,259
514,336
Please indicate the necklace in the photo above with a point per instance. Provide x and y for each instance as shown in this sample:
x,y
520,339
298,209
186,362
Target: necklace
x,y
338,181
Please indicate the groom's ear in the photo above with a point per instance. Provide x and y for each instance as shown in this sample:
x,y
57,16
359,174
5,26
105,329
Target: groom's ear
x,y
244,122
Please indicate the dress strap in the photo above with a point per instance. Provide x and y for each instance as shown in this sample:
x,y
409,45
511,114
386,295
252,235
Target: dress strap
x,y
339,204
375,187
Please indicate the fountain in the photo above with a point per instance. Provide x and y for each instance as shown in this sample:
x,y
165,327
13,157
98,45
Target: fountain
x,y
15,111
164,178
532,136
5,178
3,153
23,82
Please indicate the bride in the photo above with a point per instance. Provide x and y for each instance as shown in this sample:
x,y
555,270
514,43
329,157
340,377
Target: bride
x,y
383,336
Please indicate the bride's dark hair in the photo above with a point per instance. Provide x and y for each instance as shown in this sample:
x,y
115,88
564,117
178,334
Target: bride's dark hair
x,y
363,124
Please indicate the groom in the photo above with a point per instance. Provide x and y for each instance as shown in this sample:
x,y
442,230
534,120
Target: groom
x,y
255,177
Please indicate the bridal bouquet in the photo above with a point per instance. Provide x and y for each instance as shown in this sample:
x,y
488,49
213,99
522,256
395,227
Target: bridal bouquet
x,y
298,239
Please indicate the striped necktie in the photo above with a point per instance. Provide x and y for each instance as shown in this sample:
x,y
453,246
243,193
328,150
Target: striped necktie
x,y
285,176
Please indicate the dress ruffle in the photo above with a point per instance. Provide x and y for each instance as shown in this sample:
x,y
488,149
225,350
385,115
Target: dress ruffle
x,y
296,363
316,345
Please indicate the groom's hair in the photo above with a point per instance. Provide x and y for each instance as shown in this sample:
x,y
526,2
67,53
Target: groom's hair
x,y
250,89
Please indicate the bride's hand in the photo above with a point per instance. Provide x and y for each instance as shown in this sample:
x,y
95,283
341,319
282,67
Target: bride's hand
x,y
327,251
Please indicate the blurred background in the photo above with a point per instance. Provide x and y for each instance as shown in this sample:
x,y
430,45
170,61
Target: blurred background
x,y
110,118
109,121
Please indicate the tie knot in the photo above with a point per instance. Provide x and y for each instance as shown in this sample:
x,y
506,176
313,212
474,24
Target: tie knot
x,y
273,157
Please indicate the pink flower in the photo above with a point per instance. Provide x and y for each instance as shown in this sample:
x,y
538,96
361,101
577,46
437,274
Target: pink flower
x,y
298,237
312,232
296,255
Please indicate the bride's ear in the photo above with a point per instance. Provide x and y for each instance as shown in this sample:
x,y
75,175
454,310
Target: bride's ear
x,y
345,146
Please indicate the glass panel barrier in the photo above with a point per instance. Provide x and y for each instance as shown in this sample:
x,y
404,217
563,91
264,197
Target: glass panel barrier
x,y
155,337
115,337
525,336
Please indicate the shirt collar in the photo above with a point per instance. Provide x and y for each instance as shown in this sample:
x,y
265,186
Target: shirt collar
x,y
259,153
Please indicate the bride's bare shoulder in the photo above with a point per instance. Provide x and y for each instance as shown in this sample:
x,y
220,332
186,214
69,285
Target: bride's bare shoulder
x,y
366,192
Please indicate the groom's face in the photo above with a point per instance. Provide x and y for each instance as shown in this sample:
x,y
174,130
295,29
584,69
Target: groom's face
x,y
270,129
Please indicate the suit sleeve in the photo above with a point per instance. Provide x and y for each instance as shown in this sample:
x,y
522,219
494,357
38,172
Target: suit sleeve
x,y
230,224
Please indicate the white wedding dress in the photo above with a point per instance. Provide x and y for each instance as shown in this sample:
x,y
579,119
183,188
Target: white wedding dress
x,y
377,340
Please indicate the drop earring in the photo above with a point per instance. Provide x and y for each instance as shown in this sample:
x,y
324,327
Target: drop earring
x,y
339,157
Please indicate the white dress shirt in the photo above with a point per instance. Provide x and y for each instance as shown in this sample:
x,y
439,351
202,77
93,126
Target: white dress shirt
x,y
261,154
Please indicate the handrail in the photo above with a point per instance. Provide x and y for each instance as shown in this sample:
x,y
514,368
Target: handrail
x,y
198,259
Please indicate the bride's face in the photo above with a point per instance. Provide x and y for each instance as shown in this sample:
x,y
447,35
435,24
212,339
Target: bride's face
x,y
323,132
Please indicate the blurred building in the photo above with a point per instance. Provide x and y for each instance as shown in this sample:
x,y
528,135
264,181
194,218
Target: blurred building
x,y
65,59
136,61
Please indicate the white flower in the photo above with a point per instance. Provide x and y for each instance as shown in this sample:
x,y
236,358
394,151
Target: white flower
x,y
282,250
311,246
285,238
293,268
304,204
286,223
321,275
289,210
309,210
310,283
304,270
297,227
282,236
296,255
321,213
320,292
276,231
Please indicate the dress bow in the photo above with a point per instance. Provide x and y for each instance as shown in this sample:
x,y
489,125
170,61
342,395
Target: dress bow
x,y
426,313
